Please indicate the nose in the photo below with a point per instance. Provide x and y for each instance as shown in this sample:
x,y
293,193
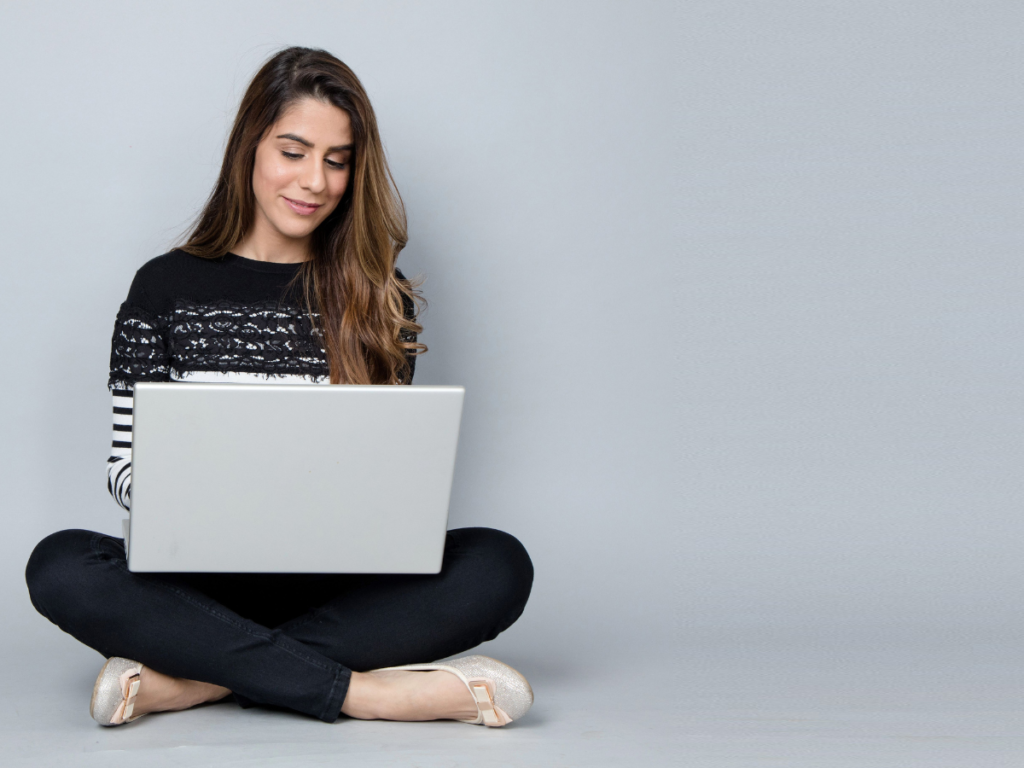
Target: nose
x,y
312,176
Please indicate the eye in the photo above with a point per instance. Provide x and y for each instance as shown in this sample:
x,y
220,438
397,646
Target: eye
x,y
336,164
291,155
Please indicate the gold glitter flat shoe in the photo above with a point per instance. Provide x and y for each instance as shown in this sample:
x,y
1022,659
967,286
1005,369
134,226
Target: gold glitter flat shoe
x,y
113,696
501,694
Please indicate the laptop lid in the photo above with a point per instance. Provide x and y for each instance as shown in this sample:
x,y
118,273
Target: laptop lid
x,y
291,478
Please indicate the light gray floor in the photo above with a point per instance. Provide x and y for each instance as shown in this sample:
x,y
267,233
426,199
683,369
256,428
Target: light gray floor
x,y
728,705
577,720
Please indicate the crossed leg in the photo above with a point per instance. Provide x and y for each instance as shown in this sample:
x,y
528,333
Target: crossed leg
x,y
292,641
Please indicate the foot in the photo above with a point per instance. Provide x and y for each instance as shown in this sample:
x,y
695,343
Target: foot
x,y
406,695
162,693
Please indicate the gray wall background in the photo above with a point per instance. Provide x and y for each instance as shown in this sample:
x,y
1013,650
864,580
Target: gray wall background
x,y
734,289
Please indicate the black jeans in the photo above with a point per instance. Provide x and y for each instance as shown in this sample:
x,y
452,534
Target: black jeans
x,y
285,640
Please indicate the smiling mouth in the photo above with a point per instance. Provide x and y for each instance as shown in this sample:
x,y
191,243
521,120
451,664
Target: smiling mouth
x,y
301,208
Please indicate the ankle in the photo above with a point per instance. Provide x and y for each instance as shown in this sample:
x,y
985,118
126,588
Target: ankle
x,y
365,694
163,693
402,695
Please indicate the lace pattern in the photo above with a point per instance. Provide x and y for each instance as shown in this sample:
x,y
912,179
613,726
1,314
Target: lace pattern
x,y
265,337
138,350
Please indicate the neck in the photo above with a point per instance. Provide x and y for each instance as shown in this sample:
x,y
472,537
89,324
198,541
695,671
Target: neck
x,y
264,243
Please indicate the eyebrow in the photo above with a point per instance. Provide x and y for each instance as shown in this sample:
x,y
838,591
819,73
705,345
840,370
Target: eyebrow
x,y
307,143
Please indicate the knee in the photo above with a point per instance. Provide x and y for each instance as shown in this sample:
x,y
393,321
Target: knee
x,y
54,567
505,565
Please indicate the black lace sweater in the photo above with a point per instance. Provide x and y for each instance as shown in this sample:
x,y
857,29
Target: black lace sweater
x,y
212,320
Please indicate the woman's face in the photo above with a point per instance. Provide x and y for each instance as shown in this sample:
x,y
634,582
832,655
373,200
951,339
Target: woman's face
x,y
302,169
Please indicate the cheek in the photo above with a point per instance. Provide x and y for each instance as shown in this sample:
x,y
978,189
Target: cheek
x,y
338,185
270,176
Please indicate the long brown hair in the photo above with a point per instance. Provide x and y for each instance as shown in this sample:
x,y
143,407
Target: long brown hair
x,y
350,278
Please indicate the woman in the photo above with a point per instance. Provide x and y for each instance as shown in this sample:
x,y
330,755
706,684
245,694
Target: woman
x,y
289,274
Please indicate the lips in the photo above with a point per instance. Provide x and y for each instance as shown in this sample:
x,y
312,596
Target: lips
x,y
300,207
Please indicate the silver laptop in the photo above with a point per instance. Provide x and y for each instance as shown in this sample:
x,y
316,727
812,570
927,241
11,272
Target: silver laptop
x,y
291,478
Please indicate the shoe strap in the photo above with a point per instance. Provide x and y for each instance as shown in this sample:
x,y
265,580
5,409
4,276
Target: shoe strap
x,y
131,691
484,703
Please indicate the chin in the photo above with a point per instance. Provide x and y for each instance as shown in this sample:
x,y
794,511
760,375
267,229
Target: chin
x,y
296,229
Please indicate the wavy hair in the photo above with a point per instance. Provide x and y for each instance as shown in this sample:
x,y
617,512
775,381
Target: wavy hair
x,y
350,279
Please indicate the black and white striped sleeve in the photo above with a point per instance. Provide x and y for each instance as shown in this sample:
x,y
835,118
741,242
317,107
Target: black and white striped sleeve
x,y
119,465
138,353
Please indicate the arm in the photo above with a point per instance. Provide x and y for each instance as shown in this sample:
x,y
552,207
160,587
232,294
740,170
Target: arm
x,y
138,353
119,465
